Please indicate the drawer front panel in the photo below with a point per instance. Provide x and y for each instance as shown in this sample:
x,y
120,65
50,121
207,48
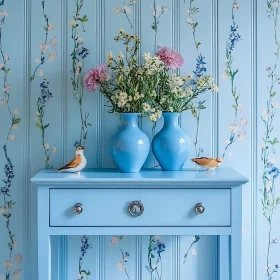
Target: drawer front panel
x,y
162,207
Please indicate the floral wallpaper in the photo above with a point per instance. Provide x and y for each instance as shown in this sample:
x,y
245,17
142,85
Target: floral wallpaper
x,y
74,37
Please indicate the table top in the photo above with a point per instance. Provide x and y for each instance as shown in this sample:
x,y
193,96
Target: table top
x,y
157,177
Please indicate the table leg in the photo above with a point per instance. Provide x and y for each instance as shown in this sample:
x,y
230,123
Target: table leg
x,y
223,257
236,234
44,245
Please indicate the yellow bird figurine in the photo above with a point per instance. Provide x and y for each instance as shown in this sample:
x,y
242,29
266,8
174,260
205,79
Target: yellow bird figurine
x,y
208,163
77,164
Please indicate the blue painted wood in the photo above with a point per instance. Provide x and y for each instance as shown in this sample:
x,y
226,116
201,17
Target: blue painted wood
x,y
223,257
106,210
175,207
44,251
220,177
236,234
140,230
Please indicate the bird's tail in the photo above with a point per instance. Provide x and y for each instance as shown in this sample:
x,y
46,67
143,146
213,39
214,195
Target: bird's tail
x,y
59,170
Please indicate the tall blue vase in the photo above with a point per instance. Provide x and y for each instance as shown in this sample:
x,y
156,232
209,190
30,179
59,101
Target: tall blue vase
x,y
130,146
171,145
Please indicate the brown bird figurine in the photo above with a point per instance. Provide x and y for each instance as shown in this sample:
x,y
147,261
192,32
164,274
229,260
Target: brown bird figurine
x,y
208,163
77,164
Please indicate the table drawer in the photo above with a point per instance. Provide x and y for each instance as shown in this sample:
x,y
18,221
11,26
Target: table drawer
x,y
162,207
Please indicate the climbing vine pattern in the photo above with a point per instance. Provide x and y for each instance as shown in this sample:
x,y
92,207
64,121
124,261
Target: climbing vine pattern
x,y
83,274
47,53
270,200
126,10
157,12
78,55
155,250
195,239
200,69
116,240
237,127
13,262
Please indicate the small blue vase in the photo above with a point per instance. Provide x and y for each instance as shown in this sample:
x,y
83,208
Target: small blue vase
x,y
130,146
171,145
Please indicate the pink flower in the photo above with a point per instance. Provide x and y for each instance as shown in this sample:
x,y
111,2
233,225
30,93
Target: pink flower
x,y
171,58
94,77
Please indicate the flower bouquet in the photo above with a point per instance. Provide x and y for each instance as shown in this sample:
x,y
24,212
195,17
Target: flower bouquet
x,y
130,90
128,86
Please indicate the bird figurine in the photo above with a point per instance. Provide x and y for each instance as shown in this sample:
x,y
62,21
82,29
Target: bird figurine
x,y
208,163
77,164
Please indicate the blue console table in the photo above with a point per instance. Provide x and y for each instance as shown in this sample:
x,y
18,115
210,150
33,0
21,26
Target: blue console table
x,y
107,202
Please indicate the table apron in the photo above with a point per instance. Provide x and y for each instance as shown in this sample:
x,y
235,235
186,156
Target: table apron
x,y
140,230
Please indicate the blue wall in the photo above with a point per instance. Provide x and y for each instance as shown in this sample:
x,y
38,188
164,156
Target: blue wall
x,y
36,44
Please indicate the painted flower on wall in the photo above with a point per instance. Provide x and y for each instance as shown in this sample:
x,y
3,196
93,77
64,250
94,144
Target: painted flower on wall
x,y
192,250
155,250
84,249
126,9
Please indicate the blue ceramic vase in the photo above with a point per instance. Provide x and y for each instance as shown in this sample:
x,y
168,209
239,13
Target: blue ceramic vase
x,y
129,147
171,145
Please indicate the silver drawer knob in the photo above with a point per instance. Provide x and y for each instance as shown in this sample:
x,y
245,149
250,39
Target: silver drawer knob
x,y
78,208
135,208
199,208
